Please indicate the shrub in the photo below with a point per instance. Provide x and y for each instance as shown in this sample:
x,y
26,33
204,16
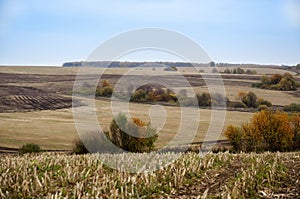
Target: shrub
x,y
262,107
235,136
139,96
284,82
276,78
250,100
152,93
287,84
204,99
104,91
105,83
292,107
274,128
264,102
79,147
29,148
142,136
276,87
295,122
236,104
274,131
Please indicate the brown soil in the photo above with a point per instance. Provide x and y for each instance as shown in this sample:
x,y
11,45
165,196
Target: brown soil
x,y
16,98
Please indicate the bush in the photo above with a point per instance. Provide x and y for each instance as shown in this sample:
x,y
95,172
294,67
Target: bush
x,y
106,91
264,102
142,136
204,99
287,84
153,93
273,131
235,136
284,82
139,96
292,107
295,122
79,147
29,148
236,104
250,100
262,107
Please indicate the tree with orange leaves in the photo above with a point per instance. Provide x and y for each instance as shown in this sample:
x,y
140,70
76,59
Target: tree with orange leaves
x,y
274,131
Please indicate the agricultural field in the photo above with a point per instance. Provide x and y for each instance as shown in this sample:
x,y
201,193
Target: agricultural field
x,y
36,103
222,175
36,107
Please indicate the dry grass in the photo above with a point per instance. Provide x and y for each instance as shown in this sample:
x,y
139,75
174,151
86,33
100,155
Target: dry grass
x,y
224,175
73,70
276,97
56,130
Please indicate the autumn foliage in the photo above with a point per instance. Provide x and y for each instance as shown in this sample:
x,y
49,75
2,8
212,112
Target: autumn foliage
x,y
132,135
285,82
273,131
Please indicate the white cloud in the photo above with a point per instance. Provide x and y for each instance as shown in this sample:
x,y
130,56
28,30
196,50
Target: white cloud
x,y
291,9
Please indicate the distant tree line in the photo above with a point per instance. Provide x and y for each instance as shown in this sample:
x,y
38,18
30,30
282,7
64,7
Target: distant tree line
x,y
239,71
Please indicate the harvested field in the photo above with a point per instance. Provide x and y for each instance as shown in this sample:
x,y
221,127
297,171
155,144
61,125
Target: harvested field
x,y
45,91
16,99
222,175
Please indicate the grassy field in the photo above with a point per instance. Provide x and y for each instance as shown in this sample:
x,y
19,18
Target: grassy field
x,y
223,175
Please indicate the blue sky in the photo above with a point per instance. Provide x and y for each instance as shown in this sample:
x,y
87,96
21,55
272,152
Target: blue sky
x,y
50,32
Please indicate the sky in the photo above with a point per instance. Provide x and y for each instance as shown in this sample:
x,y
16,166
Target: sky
x,y
51,32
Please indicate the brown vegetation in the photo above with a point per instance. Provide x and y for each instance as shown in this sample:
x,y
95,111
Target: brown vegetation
x,y
274,131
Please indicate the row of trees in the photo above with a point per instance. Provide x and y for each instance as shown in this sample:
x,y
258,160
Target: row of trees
x,y
239,71
158,93
272,131
283,82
